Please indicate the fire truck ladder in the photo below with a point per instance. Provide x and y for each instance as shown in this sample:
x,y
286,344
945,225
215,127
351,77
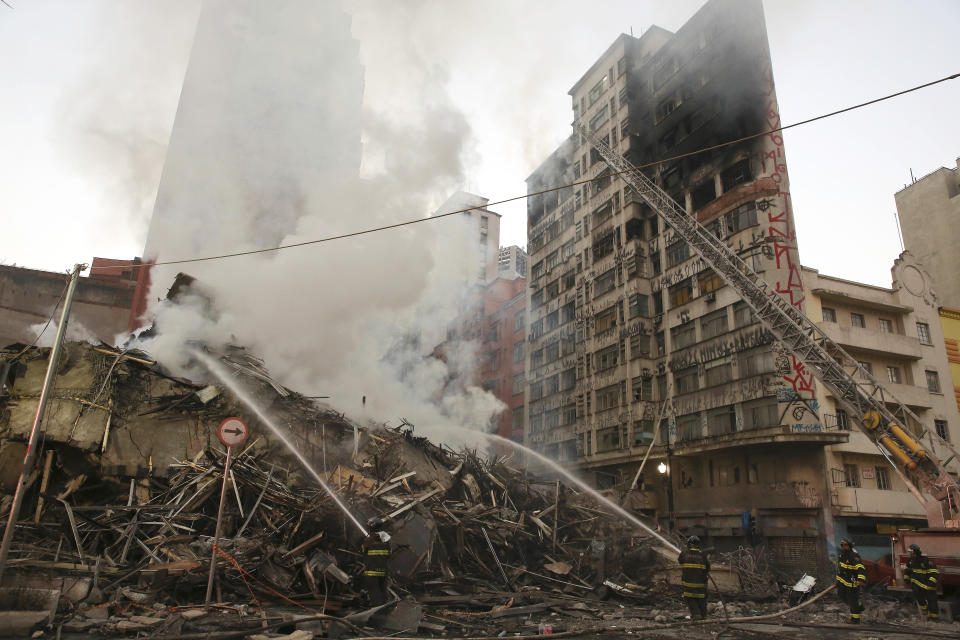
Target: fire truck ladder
x,y
881,416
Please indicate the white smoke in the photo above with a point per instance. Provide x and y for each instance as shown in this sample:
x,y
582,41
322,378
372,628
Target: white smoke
x,y
343,318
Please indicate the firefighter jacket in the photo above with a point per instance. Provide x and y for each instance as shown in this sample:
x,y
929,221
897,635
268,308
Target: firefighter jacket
x,y
376,554
850,569
922,572
694,569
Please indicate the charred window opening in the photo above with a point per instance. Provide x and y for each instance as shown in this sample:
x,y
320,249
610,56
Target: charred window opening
x,y
604,245
736,174
668,106
703,194
634,229
602,213
601,183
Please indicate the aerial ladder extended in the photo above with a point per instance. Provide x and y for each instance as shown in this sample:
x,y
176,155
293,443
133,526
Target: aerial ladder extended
x,y
881,417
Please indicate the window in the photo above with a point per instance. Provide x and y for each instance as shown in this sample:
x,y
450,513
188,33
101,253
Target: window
x,y
760,414
683,336
843,421
829,315
857,321
568,379
756,362
893,374
743,315
851,475
638,306
642,432
736,174
883,478
677,253
687,380
713,324
639,345
551,385
886,326
608,439
933,381
721,421
519,351
600,118
519,321
484,222
605,320
604,282
689,428
941,427
604,245
518,381
608,397
553,320
923,332
642,389
703,194
709,281
681,293
866,367
606,358
718,371
597,90
518,419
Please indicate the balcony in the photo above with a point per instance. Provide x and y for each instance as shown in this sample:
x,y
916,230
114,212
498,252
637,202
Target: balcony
x,y
850,501
876,342
816,435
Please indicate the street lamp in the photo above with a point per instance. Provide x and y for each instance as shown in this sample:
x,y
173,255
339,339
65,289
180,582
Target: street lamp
x,y
664,470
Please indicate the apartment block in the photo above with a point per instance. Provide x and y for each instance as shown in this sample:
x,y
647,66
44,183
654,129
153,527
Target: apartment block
x,y
928,210
625,323
512,263
896,336
495,324
485,225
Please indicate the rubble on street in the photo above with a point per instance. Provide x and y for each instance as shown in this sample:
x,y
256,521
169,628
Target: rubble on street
x,y
116,534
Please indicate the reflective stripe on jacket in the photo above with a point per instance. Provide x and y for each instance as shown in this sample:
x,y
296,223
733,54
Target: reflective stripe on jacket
x,y
922,572
695,568
850,569
377,556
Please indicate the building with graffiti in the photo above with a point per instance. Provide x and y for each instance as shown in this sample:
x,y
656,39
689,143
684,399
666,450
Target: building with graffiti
x,y
626,324
895,335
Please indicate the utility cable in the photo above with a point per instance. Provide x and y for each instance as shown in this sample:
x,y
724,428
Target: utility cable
x,y
354,234
53,312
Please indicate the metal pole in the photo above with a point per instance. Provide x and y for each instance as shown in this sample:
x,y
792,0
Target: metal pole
x,y
216,534
30,459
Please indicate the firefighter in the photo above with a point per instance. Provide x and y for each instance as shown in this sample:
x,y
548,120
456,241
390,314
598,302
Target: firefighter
x,y
922,575
376,554
695,569
851,575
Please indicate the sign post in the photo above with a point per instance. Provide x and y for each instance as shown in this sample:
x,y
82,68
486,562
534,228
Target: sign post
x,y
233,432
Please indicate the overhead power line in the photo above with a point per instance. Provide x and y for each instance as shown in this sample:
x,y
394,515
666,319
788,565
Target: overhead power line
x,y
354,234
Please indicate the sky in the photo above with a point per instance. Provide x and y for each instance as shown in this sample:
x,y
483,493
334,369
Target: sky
x,y
91,91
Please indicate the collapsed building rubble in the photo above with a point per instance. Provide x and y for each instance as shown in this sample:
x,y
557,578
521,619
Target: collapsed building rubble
x,y
117,529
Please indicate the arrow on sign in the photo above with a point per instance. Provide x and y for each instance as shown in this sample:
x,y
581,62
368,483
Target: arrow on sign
x,y
235,431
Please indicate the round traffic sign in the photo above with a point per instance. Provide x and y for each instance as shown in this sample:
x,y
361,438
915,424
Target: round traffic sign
x,y
233,432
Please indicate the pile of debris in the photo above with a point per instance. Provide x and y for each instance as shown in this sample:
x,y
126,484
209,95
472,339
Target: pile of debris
x,y
120,516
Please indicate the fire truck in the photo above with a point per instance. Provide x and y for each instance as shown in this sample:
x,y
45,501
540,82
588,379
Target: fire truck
x,y
912,449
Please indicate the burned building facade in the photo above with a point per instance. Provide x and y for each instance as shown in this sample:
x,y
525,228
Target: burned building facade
x,y
625,321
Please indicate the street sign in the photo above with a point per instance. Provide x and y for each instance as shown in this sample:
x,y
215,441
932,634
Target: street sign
x,y
233,432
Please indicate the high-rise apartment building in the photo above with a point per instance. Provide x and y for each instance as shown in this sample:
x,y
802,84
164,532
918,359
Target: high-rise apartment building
x,y
928,210
623,318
